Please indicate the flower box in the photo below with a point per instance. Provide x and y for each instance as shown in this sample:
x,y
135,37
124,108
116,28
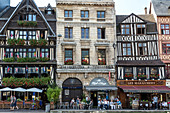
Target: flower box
x,y
85,62
13,42
69,62
128,76
101,62
154,76
27,23
142,77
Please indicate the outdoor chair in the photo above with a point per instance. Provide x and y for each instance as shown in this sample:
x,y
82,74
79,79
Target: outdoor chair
x,y
75,105
91,106
165,105
119,106
60,105
66,105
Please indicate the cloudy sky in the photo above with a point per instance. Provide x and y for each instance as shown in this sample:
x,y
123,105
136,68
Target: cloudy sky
x,y
122,6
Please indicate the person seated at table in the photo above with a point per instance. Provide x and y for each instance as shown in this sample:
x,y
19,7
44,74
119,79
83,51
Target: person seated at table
x,y
87,103
72,102
105,104
78,102
116,99
91,103
81,105
112,105
119,103
100,104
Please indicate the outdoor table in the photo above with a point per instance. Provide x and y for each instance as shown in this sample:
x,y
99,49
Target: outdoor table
x,y
28,105
144,104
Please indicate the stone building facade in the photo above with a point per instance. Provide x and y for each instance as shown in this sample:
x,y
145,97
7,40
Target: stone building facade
x,y
85,54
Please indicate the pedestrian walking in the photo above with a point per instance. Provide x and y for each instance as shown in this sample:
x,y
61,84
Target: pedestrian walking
x,y
12,103
15,103
155,101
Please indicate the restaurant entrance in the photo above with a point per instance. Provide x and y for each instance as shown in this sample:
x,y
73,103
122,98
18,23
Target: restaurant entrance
x,y
97,95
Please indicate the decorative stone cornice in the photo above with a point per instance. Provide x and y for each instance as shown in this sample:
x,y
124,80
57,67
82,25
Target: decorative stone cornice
x,y
86,2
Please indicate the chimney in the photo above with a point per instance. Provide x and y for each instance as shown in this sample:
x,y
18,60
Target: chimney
x,y
4,4
145,10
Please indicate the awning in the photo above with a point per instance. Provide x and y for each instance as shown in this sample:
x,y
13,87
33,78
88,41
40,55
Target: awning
x,y
6,89
19,89
146,89
34,90
100,88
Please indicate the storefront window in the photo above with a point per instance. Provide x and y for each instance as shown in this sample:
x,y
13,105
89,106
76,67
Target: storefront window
x,y
128,72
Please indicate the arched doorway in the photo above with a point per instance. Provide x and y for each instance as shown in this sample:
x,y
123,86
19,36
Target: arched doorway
x,y
72,88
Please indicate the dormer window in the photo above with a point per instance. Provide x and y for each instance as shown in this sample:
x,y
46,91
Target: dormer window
x,y
141,29
49,12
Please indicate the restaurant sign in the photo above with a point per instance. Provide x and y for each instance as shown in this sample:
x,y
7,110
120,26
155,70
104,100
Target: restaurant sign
x,y
141,82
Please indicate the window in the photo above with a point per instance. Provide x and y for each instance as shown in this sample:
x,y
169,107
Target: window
x,y
100,14
85,33
49,12
33,69
31,35
20,70
29,17
142,49
23,35
84,14
44,53
32,53
141,71
101,33
42,34
153,70
8,53
12,34
165,29
85,57
128,73
68,57
68,32
127,49
166,49
44,69
8,70
141,29
21,53
125,29
101,57
167,68
68,13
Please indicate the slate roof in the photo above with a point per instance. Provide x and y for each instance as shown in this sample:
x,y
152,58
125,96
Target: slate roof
x,y
161,7
149,19
140,63
8,13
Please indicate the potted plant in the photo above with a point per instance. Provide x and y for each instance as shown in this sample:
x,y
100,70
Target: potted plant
x,y
53,95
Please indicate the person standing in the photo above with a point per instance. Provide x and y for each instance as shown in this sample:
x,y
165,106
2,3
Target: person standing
x,y
15,102
12,103
155,101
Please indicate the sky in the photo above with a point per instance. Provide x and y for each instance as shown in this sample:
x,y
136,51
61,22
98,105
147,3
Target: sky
x,y
123,7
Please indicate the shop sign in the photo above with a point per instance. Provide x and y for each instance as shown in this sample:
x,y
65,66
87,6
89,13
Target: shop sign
x,y
141,82
99,82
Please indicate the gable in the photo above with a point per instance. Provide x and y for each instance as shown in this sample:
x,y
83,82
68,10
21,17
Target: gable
x,y
28,5
133,19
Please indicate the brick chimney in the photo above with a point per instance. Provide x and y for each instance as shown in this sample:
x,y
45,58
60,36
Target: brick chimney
x,y
145,10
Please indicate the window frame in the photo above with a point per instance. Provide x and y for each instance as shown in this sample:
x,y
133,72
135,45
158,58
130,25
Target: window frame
x,y
33,53
85,34
164,24
140,29
125,29
84,16
125,70
21,51
142,48
150,70
12,34
104,51
100,17
9,53
138,70
167,66
85,57
127,49
166,47
100,37
68,14
69,32
44,53
68,55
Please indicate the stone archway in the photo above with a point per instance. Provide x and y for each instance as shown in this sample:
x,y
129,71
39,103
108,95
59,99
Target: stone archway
x,y
72,88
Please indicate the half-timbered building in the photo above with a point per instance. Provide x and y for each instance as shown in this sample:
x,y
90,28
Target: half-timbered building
x,y
140,72
27,45
161,11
